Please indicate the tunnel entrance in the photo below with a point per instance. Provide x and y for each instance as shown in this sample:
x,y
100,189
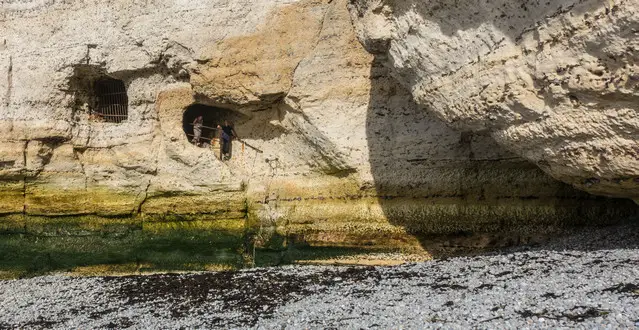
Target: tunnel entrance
x,y
212,116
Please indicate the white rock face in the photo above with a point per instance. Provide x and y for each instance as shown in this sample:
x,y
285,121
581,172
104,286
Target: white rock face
x,y
553,81
345,155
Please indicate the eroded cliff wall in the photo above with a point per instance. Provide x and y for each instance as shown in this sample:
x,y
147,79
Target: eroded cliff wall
x,y
554,82
346,157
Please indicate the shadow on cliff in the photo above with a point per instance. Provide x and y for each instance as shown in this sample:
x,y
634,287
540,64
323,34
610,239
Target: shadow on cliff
x,y
459,190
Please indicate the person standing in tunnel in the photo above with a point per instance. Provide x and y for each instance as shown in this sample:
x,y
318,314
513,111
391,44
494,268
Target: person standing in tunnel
x,y
197,130
227,133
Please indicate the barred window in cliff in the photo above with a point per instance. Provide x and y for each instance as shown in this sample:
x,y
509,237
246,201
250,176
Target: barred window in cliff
x,y
112,101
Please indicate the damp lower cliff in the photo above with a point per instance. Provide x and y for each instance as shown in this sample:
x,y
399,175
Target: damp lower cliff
x,y
98,164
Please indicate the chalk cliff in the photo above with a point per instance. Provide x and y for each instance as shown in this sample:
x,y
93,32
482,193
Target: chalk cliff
x,y
346,157
554,82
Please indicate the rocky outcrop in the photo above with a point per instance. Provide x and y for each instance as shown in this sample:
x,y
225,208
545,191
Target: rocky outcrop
x,y
554,82
335,152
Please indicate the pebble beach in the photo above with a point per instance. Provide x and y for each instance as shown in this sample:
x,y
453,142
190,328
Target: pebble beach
x,y
589,279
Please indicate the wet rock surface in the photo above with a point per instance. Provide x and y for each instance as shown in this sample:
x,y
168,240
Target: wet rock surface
x,y
590,279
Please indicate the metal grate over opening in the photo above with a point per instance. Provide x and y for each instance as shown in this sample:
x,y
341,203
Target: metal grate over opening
x,y
112,101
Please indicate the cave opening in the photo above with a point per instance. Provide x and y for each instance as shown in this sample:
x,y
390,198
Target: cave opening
x,y
112,101
212,116
103,97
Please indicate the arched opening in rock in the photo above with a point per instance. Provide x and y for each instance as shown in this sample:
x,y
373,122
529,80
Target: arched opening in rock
x,y
212,116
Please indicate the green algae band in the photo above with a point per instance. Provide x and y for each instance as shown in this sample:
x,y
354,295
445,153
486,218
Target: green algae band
x,y
305,230
95,245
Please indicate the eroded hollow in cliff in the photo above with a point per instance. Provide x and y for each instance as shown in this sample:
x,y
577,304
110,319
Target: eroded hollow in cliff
x,y
103,97
212,116
112,100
